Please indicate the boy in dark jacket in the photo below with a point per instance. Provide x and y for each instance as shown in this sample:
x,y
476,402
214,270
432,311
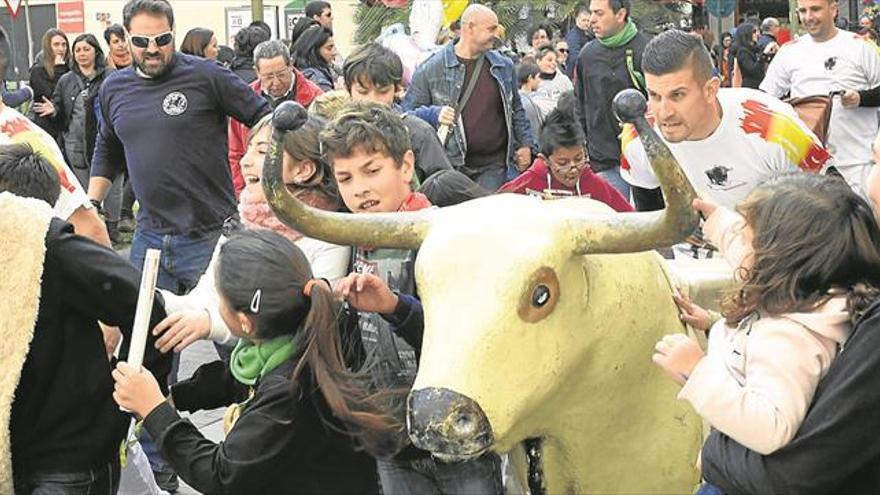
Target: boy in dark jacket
x,y
64,427
373,163
374,73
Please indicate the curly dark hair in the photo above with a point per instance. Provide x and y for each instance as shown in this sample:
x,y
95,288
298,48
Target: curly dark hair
x,y
811,234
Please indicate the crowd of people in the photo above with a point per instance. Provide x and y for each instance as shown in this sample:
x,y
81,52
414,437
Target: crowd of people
x,y
317,389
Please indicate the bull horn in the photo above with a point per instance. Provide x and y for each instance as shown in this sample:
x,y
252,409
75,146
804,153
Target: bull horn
x,y
395,230
634,232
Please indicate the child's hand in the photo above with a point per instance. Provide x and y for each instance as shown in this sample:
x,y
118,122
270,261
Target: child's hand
x,y
706,207
692,314
365,292
112,338
678,356
447,116
182,329
136,391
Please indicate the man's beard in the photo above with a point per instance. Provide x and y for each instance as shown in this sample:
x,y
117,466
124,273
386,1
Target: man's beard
x,y
154,71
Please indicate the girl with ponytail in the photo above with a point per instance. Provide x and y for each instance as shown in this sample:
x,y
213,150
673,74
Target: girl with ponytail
x,y
289,341
807,254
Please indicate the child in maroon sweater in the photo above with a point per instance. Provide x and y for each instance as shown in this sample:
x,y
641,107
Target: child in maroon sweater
x,y
562,169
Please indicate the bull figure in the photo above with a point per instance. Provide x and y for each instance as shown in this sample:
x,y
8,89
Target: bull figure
x,y
540,320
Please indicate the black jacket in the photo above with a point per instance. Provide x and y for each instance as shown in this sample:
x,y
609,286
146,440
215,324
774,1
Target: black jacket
x,y
601,73
244,68
278,445
44,86
68,88
836,449
751,66
63,416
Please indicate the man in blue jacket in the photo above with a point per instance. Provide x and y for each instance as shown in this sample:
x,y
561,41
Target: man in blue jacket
x,y
478,145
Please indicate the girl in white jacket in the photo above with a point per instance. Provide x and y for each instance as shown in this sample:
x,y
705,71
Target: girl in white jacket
x,y
195,315
807,252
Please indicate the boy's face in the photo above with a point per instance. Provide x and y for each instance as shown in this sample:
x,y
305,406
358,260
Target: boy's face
x,y
367,91
567,164
533,83
372,182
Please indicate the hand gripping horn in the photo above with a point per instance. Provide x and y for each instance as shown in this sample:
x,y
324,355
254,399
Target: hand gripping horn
x,y
391,230
633,232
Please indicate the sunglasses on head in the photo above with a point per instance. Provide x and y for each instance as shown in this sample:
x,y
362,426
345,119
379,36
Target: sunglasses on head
x,y
161,40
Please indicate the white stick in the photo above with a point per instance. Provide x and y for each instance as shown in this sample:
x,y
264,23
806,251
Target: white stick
x,y
144,308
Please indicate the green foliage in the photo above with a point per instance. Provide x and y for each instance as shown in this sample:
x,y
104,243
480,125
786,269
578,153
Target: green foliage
x,y
371,19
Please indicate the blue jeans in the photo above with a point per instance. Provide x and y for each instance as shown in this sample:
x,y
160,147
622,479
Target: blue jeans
x,y
428,476
492,178
184,258
708,489
183,261
104,480
612,175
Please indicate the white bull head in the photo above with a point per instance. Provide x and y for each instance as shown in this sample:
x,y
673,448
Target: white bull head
x,y
540,318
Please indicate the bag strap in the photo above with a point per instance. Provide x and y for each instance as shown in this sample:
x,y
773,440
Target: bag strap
x,y
637,78
472,82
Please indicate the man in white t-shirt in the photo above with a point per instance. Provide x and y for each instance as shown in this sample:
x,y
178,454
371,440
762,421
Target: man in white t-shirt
x,y
73,205
826,61
727,140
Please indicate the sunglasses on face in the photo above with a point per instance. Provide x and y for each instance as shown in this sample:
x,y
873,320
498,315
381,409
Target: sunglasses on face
x,y
562,50
161,40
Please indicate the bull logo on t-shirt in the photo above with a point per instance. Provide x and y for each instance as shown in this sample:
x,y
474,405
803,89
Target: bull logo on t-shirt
x,y
175,103
830,62
718,175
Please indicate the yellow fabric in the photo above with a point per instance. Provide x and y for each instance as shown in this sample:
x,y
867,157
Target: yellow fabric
x,y
452,10
23,226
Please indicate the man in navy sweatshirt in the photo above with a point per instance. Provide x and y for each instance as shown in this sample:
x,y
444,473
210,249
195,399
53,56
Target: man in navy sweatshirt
x,y
166,117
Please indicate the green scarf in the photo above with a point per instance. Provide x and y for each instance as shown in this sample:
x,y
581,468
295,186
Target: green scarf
x,y
251,361
623,37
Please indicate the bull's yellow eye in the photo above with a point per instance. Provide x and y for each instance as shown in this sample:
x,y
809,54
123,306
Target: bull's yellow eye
x,y
539,295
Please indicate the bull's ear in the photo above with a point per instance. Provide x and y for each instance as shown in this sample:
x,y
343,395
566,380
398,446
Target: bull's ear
x,y
539,295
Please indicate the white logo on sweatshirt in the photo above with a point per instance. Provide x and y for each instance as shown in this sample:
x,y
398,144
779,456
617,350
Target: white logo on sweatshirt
x,y
175,103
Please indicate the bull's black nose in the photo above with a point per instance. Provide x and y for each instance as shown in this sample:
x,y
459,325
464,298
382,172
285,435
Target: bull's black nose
x,y
447,423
